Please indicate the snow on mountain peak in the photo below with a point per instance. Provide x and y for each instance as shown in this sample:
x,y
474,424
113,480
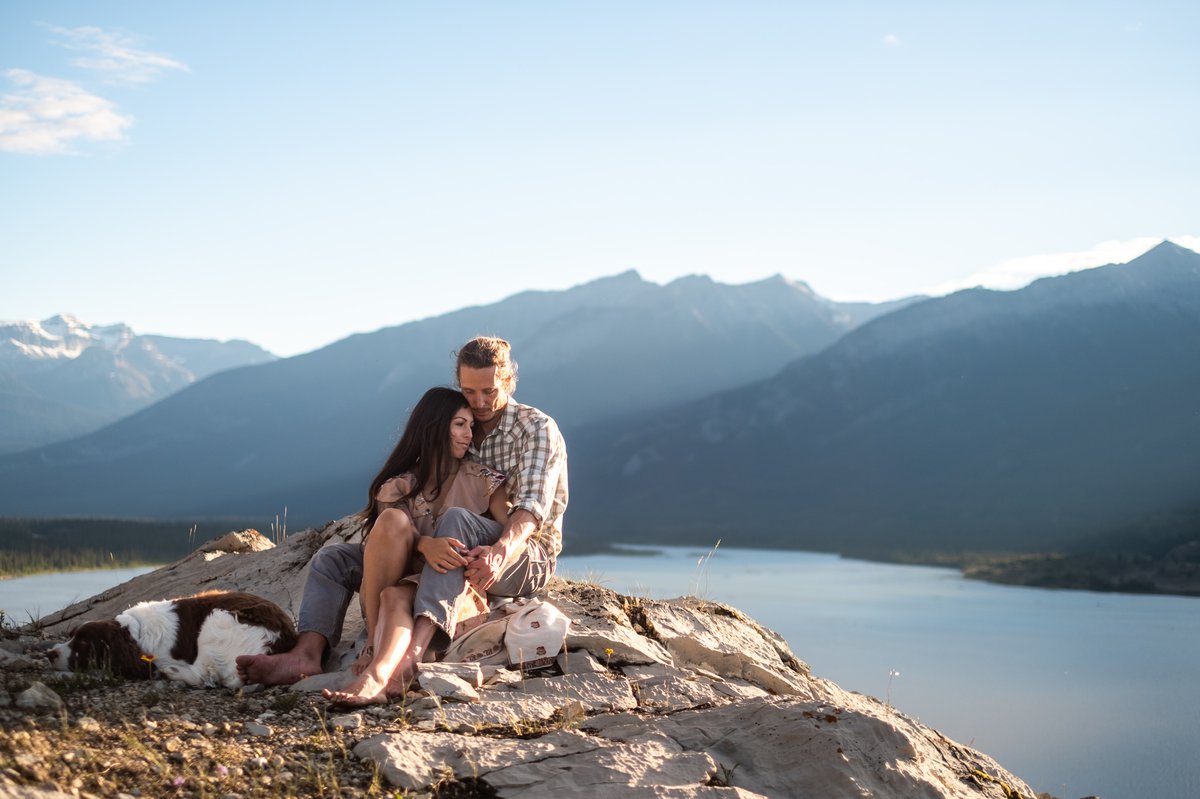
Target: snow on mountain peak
x,y
61,336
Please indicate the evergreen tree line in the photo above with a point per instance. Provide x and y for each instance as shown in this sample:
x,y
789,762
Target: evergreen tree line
x,y
30,546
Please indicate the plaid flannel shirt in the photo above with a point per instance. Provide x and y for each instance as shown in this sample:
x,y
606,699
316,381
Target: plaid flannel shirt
x,y
528,448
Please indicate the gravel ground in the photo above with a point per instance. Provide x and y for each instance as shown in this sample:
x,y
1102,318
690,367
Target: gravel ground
x,y
160,739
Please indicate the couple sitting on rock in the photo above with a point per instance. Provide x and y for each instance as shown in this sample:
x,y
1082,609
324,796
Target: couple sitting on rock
x,y
469,504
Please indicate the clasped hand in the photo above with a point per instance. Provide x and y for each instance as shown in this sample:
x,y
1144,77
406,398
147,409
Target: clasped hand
x,y
485,565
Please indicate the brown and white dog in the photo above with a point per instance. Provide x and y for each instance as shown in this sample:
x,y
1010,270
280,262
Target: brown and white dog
x,y
193,639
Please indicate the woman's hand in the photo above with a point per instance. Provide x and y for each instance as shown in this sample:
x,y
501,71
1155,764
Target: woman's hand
x,y
443,554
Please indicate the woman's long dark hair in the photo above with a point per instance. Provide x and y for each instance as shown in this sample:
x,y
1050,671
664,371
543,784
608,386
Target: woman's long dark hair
x,y
423,449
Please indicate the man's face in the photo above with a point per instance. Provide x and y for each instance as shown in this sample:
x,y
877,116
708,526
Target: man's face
x,y
485,392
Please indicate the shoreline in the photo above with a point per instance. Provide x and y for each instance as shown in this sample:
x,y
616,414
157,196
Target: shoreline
x,y
81,570
1120,573
1100,572
1108,573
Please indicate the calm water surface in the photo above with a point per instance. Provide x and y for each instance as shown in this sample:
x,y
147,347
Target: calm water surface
x,y
25,598
1078,693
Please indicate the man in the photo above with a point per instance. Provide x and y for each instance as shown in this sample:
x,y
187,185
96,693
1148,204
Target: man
x,y
513,558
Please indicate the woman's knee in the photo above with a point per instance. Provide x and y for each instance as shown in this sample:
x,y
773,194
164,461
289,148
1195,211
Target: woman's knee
x,y
393,525
388,596
397,596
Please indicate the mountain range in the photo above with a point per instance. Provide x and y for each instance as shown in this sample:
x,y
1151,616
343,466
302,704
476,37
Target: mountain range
x,y
61,378
306,433
1064,414
1019,420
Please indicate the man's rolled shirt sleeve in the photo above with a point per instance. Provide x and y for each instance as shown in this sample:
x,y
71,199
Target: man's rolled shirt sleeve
x,y
540,469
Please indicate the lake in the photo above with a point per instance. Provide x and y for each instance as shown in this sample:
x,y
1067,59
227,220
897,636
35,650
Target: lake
x,y
1078,693
25,598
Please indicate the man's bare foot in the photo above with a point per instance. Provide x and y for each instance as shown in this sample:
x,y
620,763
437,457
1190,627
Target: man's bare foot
x,y
363,660
282,669
368,689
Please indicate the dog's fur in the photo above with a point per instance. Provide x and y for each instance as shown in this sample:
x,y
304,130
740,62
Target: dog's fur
x,y
193,639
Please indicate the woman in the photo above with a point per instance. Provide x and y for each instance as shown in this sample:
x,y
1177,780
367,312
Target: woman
x,y
423,477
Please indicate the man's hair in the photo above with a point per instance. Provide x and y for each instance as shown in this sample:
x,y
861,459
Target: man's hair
x,y
484,352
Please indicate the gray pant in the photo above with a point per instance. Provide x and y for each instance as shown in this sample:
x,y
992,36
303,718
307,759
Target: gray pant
x,y
439,594
337,570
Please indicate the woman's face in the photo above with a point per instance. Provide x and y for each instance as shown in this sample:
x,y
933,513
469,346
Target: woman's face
x,y
460,432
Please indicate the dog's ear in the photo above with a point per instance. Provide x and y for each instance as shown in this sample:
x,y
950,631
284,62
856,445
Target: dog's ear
x,y
84,647
107,646
126,657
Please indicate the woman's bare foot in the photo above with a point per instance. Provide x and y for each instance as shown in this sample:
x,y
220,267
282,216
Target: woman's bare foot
x,y
404,675
399,686
363,661
368,689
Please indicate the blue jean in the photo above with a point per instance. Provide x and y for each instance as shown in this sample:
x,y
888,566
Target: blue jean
x,y
337,570
440,593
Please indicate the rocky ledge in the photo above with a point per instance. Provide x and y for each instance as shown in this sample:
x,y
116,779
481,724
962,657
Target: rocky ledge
x,y
674,698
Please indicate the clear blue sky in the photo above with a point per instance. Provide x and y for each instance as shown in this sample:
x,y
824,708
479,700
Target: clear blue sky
x,y
291,173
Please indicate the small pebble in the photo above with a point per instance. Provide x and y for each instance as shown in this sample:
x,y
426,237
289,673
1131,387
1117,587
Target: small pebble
x,y
87,724
351,721
254,728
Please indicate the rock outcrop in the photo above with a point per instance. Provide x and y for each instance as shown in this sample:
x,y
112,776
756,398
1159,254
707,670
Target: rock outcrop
x,y
651,698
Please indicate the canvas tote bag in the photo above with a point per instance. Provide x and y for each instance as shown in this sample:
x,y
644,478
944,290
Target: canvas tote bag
x,y
527,633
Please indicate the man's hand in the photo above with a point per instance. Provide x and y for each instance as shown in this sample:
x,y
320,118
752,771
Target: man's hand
x,y
485,565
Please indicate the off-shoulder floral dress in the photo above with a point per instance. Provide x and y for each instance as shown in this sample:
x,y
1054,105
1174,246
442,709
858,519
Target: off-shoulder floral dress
x,y
471,489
